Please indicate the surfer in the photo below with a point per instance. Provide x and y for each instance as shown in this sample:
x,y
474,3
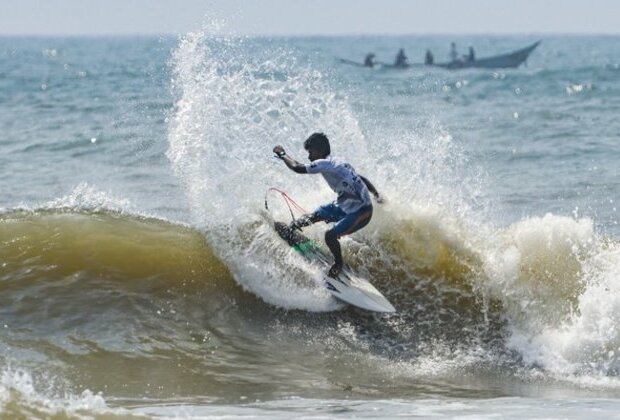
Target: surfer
x,y
353,208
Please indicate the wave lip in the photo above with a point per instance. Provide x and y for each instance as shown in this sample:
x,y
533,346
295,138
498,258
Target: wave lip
x,y
60,243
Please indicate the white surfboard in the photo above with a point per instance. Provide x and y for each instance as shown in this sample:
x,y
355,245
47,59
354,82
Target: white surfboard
x,y
358,292
346,287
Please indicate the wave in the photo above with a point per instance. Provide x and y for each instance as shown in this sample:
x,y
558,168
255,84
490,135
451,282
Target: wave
x,y
75,251
449,272
56,243
543,286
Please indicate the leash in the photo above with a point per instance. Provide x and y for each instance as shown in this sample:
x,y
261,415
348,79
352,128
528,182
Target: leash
x,y
290,203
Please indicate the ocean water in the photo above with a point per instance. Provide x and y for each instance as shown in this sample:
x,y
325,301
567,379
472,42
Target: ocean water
x,y
140,276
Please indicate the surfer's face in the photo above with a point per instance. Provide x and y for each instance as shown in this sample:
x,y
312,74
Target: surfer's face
x,y
314,154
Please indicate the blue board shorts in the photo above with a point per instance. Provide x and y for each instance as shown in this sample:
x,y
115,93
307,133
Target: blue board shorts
x,y
345,223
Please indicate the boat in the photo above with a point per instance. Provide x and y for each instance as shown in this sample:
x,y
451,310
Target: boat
x,y
352,63
504,61
378,64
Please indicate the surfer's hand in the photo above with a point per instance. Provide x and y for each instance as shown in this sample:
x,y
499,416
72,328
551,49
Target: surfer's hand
x,y
379,198
279,151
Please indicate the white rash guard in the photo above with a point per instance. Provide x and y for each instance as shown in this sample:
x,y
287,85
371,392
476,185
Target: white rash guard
x,y
344,181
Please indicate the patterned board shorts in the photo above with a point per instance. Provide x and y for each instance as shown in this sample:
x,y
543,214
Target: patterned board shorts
x,y
345,223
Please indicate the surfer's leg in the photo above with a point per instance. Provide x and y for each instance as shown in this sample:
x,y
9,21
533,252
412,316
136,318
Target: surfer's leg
x,y
354,221
347,225
325,213
305,220
331,239
332,213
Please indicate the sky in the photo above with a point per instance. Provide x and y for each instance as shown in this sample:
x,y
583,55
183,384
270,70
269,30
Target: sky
x,y
309,17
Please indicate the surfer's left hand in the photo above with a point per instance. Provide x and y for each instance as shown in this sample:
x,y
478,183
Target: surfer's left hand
x,y
379,198
279,151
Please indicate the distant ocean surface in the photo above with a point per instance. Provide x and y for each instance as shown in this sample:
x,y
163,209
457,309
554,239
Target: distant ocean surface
x,y
140,276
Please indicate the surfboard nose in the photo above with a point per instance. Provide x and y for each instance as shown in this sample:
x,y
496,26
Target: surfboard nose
x,y
359,293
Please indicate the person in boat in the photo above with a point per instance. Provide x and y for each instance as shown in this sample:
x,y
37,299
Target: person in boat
x,y
401,59
454,55
351,211
369,60
471,56
428,58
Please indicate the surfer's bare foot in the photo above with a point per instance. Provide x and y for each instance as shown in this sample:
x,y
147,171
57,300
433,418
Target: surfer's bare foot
x,y
335,270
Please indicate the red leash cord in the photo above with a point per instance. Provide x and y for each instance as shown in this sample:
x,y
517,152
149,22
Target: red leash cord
x,y
288,200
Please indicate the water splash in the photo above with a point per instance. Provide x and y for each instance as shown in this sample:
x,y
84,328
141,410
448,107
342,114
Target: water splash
x,y
235,101
234,105
23,394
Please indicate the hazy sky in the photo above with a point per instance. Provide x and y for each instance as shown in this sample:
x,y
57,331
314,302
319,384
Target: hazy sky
x,y
297,17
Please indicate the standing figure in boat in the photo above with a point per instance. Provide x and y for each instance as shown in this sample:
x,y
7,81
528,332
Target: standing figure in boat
x,y
401,59
428,58
454,55
471,56
369,61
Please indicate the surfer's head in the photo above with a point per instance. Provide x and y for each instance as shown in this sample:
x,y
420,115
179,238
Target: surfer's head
x,y
317,146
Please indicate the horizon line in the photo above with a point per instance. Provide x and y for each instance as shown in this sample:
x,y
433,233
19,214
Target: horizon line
x,y
331,35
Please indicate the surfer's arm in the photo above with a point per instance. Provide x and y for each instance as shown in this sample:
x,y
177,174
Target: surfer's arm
x,y
372,189
289,161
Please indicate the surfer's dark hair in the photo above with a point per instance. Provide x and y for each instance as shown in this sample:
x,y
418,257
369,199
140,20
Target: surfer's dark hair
x,y
318,141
